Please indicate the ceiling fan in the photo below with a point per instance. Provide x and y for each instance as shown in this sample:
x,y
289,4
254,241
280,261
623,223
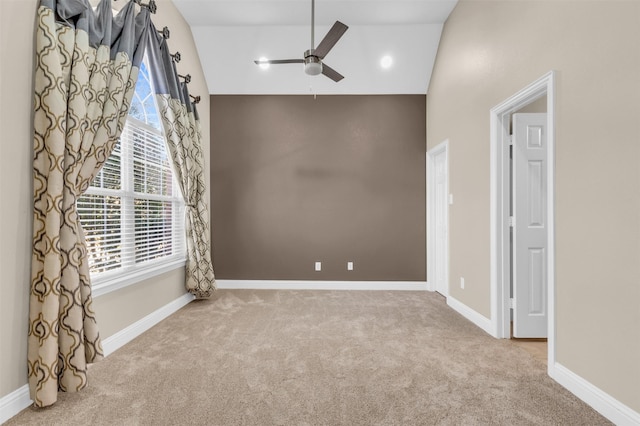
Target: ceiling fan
x,y
312,61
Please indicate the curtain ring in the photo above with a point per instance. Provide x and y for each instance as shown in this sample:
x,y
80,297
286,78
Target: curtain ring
x,y
165,33
152,6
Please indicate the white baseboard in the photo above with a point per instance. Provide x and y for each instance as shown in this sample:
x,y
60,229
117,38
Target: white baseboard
x,y
124,336
18,400
602,402
321,285
13,403
473,316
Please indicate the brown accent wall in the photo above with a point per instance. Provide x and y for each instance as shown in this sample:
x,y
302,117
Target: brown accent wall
x,y
295,180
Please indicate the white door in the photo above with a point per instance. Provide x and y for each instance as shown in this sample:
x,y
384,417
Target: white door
x,y
530,225
439,219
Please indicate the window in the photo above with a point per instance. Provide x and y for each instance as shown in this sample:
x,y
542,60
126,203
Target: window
x,y
133,212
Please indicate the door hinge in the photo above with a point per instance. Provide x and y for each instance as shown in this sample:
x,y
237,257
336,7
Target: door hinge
x,y
510,140
511,222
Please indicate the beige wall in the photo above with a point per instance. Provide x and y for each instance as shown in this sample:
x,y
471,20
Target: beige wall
x,y
334,179
491,49
115,310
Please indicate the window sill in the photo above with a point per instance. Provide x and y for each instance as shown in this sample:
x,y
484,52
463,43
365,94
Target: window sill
x,y
104,285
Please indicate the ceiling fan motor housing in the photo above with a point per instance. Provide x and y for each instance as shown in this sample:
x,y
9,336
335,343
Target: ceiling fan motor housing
x,y
312,64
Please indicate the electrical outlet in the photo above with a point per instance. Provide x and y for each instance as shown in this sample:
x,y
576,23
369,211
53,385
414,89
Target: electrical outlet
x,y
462,282
318,266
349,266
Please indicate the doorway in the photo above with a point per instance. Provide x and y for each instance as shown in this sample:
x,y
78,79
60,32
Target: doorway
x,y
501,211
438,218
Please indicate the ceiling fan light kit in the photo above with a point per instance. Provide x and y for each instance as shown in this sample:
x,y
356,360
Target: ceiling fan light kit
x,y
313,57
312,64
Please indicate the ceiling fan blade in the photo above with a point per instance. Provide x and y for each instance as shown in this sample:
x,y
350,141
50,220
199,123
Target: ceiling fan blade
x,y
331,73
330,39
280,61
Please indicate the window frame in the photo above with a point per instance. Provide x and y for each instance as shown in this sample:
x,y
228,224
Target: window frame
x,y
130,272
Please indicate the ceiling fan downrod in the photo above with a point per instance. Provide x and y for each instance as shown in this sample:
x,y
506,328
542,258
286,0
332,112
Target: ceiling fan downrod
x,y
312,64
313,20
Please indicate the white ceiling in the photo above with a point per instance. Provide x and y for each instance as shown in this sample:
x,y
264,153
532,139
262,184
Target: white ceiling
x,y
230,34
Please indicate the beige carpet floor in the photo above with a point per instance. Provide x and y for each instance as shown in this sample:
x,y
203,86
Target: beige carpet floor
x,y
317,358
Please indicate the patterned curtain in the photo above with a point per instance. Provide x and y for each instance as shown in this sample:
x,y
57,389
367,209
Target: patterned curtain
x,y
86,68
184,140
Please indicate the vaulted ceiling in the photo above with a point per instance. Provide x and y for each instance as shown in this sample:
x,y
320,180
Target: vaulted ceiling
x,y
231,34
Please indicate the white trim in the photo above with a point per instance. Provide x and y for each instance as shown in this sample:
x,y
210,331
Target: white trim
x,y
602,402
124,336
441,147
12,404
107,284
551,214
428,260
321,285
478,319
499,208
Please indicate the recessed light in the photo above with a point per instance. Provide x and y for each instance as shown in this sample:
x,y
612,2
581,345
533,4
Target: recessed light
x,y
386,62
264,66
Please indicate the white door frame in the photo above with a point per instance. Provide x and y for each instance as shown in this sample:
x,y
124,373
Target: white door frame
x,y
500,196
431,242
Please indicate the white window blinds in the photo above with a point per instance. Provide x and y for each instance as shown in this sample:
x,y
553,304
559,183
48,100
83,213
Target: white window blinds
x,y
133,212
